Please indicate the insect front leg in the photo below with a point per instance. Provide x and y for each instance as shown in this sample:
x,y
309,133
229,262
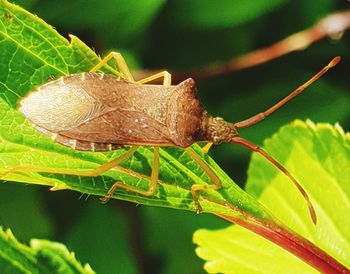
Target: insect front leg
x,y
164,74
122,66
153,184
198,187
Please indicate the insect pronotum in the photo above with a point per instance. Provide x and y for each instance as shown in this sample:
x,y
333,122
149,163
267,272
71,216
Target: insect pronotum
x,y
100,112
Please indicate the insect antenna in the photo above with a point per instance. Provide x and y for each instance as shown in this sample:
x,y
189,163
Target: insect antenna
x,y
251,146
262,115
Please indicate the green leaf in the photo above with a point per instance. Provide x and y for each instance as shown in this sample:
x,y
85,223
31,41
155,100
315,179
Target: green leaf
x,y
41,256
15,257
54,257
32,52
210,14
319,157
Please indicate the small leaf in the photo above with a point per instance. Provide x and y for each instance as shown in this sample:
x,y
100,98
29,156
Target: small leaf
x,y
319,156
15,257
41,257
54,257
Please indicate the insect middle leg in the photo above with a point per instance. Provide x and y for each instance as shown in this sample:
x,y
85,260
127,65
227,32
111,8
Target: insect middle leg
x,y
163,74
198,187
119,59
152,187
123,68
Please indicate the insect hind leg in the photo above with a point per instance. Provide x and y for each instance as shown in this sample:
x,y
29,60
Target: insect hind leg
x,y
152,187
86,173
119,59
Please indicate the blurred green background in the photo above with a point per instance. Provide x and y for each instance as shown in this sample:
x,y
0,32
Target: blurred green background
x,y
180,35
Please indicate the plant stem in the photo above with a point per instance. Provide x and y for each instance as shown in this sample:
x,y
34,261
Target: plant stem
x,y
330,26
292,242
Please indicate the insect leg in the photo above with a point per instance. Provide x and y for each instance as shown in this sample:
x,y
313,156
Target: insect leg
x,y
149,192
198,187
93,173
206,148
261,116
119,59
164,74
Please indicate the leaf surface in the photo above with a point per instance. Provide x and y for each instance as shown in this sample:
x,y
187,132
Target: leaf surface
x,y
32,53
319,156
41,256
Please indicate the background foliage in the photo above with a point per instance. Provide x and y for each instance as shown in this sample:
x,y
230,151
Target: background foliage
x,y
177,36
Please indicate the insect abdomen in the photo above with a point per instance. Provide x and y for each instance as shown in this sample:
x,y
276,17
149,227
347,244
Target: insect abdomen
x,y
79,144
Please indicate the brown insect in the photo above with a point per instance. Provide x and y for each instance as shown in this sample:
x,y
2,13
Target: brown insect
x,y
100,112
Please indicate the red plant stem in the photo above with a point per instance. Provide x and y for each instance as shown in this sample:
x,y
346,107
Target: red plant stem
x,y
330,26
292,242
